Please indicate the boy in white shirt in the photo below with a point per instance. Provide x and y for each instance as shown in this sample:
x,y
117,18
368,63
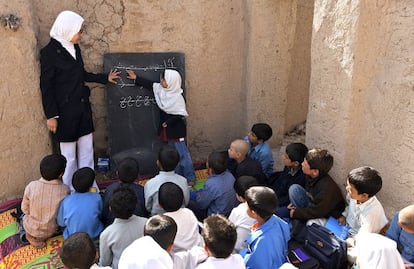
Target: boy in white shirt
x,y
168,159
154,249
219,236
170,198
238,215
364,212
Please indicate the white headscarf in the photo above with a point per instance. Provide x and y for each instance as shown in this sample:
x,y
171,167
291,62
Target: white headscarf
x,y
375,251
66,25
170,99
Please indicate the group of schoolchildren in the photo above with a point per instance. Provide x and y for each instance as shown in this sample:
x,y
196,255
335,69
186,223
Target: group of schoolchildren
x,y
242,218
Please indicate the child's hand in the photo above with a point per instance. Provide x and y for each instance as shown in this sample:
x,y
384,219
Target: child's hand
x,y
131,74
164,124
342,220
291,207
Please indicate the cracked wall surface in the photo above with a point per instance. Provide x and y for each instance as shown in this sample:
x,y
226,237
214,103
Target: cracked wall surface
x,y
246,61
234,76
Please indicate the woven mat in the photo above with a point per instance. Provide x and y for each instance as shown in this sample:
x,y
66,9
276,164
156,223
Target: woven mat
x,y
16,255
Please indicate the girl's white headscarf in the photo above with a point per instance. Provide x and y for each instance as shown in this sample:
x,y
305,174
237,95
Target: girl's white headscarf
x,y
66,25
170,99
375,251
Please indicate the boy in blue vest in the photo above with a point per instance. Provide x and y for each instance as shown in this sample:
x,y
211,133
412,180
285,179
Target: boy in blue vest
x,y
268,241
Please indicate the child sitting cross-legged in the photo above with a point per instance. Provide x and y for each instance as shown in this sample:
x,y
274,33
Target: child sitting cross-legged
x,y
78,252
321,197
268,241
238,215
151,250
127,172
401,230
245,166
292,172
218,195
41,200
219,236
168,159
259,147
81,211
170,197
125,228
364,212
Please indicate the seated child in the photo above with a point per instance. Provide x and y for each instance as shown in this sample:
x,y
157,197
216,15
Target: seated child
x,y
78,252
375,251
41,200
172,126
168,158
322,197
259,148
124,230
81,211
364,212
245,166
401,230
238,215
268,241
217,195
170,198
128,170
151,250
291,174
220,236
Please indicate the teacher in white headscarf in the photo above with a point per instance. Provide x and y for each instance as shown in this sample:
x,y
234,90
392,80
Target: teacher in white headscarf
x,y
65,96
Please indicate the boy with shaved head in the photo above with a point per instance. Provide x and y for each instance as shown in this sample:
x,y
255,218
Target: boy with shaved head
x,y
246,166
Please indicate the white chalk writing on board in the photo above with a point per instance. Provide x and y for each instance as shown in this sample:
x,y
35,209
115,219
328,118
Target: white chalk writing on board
x,y
168,63
138,101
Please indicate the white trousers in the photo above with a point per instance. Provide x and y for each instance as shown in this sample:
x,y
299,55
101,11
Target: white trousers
x,y
78,154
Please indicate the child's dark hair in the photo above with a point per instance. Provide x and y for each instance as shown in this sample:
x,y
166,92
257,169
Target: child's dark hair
x,y
123,202
52,166
319,159
217,161
82,179
243,183
365,179
168,158
296,152
219,235
170,196
262,200
162,229
262,131
128,170
78,251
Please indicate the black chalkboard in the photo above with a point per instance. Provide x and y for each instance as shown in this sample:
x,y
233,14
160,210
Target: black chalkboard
x,y
133,115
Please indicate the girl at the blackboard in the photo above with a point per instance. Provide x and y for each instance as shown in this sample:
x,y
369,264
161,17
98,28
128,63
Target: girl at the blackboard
x,y
172,127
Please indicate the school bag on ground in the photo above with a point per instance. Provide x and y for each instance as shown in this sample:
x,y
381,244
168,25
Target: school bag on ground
x,y
323,245
298,256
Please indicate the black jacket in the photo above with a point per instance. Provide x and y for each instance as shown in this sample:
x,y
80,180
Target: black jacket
x,y
64,93
326,198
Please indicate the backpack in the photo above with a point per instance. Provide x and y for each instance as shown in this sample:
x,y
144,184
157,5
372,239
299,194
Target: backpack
x,y
298,256
323,244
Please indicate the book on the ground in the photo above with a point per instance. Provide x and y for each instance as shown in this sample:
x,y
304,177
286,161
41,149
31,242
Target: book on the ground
x,y
341,231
